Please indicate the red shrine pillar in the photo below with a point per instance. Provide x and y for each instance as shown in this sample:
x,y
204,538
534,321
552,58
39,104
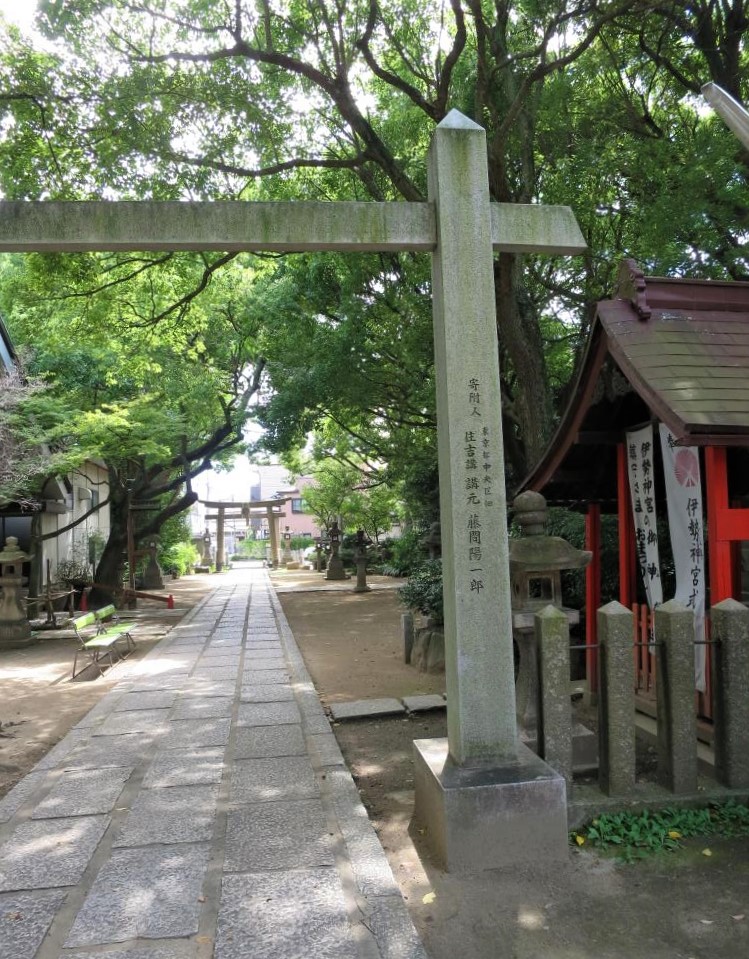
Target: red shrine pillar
x,y
726,527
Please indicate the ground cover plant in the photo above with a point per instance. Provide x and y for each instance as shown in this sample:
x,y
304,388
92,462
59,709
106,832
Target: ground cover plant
x,y
634,835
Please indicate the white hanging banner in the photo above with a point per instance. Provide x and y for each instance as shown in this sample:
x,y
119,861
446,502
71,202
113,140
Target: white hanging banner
x,y
681,468
642,492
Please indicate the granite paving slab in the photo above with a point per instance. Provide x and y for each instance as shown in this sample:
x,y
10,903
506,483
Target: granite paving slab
x,y
202,707
268,714
23,790
270,676
100,751
266,693
263,651
253,742
147,893
24,920
157,682
136,721
365,708
185,767
61,750
170,815
393,929
84,792
278,835
422,704
217,672
324,749
297,914
210,687
157,699
67,844
175,950
196,732
260,665
271,779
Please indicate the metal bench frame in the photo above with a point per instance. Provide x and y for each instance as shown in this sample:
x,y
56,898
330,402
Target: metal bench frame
x,y
104,642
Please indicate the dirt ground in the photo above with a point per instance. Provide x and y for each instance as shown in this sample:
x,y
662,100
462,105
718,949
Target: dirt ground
x,y
39,702
682,905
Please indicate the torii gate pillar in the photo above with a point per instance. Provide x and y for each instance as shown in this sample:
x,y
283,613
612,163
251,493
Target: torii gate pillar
x,y
483,797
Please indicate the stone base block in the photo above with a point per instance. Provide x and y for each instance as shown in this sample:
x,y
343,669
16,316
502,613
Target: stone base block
x,y
488,817
584,747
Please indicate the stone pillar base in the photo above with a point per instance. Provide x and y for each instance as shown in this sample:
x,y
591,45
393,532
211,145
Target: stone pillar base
x,y
336,570
487,817
584,747
17,641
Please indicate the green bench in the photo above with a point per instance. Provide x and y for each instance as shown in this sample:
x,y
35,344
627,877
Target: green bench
x,y
109,638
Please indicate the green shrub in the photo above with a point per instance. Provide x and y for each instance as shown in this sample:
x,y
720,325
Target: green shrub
x,y
180,558
405,554
423,591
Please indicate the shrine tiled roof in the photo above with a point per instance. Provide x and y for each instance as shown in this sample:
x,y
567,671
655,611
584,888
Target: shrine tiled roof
x,y
674,350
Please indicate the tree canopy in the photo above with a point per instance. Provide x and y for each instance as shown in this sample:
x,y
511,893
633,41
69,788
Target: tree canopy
x,y
587,103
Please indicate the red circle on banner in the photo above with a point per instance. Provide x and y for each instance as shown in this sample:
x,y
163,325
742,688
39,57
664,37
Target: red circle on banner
x,y
686,468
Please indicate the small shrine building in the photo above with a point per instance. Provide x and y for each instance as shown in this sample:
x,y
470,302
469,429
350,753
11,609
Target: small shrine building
x,y
662,350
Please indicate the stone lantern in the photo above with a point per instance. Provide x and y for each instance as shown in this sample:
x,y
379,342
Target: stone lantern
x,y
335,565
536,565
15,629
361,562
153,577
287,557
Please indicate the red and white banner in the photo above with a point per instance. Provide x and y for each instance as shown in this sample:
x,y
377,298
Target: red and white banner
x,y
642,492
681,468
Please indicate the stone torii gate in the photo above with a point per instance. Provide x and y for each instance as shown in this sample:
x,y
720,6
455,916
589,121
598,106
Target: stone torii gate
x,y
485,799
271,508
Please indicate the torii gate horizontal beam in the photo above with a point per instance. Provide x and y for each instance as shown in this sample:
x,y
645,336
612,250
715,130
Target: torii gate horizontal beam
x,y
254,504
290,227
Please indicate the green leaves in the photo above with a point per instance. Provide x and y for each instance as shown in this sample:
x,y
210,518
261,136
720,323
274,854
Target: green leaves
x,y
636,835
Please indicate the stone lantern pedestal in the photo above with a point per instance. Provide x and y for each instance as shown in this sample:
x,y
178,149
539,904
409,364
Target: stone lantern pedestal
x,y
536,565
15,629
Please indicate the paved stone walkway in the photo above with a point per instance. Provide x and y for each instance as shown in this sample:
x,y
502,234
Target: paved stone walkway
x,y
201,810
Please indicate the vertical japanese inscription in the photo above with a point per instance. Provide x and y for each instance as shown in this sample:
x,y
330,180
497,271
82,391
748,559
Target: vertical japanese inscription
x,y
479,479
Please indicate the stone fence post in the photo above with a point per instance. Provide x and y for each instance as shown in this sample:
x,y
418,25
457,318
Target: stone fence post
x,y
730,662
554,709
616,703
677,720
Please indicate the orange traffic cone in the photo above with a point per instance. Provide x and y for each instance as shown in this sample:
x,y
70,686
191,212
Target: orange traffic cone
x,y
170,602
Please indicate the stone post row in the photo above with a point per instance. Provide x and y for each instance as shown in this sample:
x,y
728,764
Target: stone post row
x,y
677,721
554,711
730,661
616,702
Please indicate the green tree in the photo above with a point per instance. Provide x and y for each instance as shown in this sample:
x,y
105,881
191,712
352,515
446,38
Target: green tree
x,y
157,406
584,103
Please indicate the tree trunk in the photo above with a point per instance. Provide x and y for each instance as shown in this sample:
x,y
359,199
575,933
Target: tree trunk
x,y
523,368
111,566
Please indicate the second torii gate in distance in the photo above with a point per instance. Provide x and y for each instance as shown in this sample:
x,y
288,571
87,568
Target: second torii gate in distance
x,y
270,508
485,799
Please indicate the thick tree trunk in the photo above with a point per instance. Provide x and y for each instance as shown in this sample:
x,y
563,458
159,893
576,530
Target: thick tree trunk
x,y
111,566
523,368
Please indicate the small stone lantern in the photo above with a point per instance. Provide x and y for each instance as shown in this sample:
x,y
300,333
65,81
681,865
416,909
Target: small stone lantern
x,y
361,562
15,629
536,565
153,577
287,557
318,555
335,564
